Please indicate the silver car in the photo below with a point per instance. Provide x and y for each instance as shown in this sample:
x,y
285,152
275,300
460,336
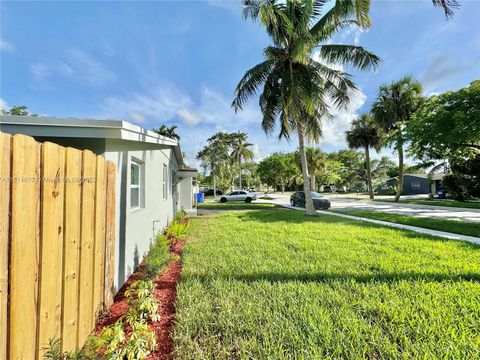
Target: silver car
x,y
237,195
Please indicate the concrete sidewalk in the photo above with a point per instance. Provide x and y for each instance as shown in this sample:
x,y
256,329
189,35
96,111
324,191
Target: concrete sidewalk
x,y
416,210
442,234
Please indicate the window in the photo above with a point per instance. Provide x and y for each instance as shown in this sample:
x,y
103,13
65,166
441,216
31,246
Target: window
x,y
415,185
164,182
136,184
174,184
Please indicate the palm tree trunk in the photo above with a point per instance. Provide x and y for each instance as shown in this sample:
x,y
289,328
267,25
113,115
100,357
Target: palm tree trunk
x,y
400,171
214,182
240,167
313,182
369,172
309,208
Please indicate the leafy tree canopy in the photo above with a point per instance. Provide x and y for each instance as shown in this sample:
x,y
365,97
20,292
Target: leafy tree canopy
x,y
447,125
19,110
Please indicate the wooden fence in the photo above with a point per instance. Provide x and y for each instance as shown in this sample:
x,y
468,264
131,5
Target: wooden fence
x,y
57,241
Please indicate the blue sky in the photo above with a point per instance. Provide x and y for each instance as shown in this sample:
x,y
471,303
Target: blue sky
x,y
178,62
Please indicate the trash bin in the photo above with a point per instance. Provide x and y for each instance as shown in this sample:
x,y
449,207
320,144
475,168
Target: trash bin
x,y
441,194
199,198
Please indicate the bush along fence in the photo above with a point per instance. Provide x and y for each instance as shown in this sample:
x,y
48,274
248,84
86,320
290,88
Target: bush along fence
x,y
57,241
130,335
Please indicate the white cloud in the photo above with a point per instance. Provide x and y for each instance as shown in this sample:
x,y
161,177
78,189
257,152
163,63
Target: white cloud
x,y
3,105
188,116
75,64
334,129
6,46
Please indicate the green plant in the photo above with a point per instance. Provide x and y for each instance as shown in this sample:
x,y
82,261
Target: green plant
x,y
177,231
54,352
180,216
141,343
157,257
143,305
108,344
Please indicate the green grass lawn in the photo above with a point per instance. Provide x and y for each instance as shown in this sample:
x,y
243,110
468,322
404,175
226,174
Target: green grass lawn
x,y
234,205
264,284
457,227
447,203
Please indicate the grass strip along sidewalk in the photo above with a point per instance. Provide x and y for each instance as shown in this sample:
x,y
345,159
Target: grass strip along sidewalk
x,y
445,203
452,226
273,284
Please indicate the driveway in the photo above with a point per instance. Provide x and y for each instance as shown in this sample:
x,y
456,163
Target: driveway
x,y
421,211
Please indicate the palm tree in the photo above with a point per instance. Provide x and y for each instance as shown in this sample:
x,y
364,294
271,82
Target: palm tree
x,y
364,134
167,131
296,88
241,151
316,161
395,104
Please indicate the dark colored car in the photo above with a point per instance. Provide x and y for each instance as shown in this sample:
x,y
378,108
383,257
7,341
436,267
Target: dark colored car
x,y
320,203
209,192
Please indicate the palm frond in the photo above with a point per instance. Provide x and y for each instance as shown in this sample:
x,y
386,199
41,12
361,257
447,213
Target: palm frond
x,y
349,54
251,81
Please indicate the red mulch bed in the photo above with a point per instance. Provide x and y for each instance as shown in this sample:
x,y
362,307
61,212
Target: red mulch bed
x,y
165,292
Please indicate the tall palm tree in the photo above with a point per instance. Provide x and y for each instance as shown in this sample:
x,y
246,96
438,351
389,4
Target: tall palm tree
x,y
395,104
241,150
296,88
364,134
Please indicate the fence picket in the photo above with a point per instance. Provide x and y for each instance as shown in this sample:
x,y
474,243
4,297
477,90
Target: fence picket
x,y
85,309
99,260
24,248
5,164
71,263
110,235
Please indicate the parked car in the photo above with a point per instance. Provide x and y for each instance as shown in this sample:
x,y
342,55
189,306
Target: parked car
x,y
330,188
209,192
237,195
319,201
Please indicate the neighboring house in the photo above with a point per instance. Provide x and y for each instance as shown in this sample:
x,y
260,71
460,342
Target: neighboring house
x,y
152,180
418,183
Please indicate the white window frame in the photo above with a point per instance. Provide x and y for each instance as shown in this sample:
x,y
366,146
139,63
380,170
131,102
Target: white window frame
x,y
164,182
140,186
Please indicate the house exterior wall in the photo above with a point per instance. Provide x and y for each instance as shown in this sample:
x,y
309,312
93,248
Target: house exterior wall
x,y
137,227
415,185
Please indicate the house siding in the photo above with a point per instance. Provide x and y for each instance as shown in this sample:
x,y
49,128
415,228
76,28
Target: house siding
x,y
136,228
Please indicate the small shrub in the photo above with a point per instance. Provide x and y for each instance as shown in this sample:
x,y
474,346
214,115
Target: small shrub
x,y
143,305
180,216
114,343
177,231
157,257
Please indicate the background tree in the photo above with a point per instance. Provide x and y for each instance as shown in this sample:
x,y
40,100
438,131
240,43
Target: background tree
x,y
170,132
18,110
365,135
350,161
215,155
316,162
447,126
295,87
241,151
277,169
393,108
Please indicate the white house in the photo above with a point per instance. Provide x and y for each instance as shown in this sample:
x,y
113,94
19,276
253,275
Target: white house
x,y
152,181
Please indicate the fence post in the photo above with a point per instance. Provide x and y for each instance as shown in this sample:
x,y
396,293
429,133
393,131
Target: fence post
x,y
5,163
